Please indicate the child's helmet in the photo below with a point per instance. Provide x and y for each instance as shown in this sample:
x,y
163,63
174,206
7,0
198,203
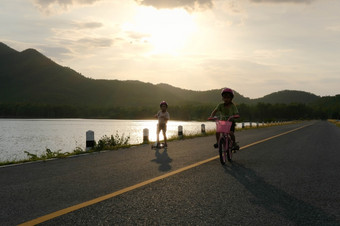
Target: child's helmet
x,y
163,103
227,90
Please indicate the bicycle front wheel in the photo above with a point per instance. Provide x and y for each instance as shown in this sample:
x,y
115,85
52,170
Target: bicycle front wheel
x,y
222,149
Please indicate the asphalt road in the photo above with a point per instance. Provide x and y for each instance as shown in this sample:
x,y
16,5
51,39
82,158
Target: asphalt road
x,y
291,179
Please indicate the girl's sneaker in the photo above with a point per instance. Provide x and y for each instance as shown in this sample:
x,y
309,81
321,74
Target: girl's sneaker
x,y
236,147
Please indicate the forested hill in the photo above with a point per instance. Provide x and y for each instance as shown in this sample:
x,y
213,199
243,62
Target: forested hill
x,y
30,77
287,97
32,85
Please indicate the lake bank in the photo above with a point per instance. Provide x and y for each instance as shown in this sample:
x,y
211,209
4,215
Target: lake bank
x,y
187,134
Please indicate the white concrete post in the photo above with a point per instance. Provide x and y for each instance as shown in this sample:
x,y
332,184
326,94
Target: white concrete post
x,y
89,140
203,129
180,131
145,136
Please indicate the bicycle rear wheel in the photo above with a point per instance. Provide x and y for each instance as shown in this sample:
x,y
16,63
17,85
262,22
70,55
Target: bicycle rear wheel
x,y
229,150
222,151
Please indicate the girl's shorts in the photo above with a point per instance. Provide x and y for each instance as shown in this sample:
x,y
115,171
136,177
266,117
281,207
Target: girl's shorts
x,y
161,126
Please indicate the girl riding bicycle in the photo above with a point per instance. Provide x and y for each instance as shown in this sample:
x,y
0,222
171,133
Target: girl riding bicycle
x,y
226,109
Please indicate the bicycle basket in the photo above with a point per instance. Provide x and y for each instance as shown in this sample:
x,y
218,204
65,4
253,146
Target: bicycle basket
x,y
223,126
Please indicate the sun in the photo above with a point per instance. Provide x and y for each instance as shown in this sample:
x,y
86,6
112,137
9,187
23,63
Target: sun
x,y
167,30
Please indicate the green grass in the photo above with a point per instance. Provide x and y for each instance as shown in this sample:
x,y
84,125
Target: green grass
x,y
105,143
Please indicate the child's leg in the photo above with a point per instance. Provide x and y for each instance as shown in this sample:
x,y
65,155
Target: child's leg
x,y
157,133
164,135
217,137
232,130
232,135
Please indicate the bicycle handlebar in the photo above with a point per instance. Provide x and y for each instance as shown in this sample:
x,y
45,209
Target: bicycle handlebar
x,y
216,119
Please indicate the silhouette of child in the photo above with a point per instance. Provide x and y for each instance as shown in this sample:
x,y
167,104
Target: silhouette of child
x,y
226,109
163,117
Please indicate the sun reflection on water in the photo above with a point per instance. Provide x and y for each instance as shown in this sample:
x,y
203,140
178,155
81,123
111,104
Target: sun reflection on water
x,y
35,135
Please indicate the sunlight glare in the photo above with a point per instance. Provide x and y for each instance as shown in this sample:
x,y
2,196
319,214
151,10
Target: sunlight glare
x,y
166,30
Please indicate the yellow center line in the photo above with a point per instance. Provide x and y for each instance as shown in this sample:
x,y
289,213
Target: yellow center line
x,y
133,187
269,138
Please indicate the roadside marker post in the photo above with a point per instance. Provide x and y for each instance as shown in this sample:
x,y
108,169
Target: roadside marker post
x,y
180,131
145,136
203,129
89,140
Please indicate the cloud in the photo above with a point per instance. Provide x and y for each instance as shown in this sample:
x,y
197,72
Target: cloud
x,y
203,4
57,53
137,36
49,6
96,42
335,28
79,49
89,25
283,1
47,3
187,4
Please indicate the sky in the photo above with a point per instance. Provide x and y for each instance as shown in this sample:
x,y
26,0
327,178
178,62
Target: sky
x,y
255,47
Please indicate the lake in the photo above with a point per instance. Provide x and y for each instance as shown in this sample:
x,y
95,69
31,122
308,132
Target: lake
x,y
35,135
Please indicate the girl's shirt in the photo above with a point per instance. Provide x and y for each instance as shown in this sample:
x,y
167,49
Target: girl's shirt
x,y
163,117
226,112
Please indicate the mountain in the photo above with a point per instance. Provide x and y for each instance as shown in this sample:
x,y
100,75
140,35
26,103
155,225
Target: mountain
x,y
32,85
287,97
31,77
5,50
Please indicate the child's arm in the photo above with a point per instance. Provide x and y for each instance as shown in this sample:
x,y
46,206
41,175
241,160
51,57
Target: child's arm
x,y
166,117
235,110
156,115
213,113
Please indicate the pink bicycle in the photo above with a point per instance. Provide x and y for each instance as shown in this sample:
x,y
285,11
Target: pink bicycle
x,y
225,143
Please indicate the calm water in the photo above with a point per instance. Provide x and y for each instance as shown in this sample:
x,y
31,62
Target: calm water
x,y
35,135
